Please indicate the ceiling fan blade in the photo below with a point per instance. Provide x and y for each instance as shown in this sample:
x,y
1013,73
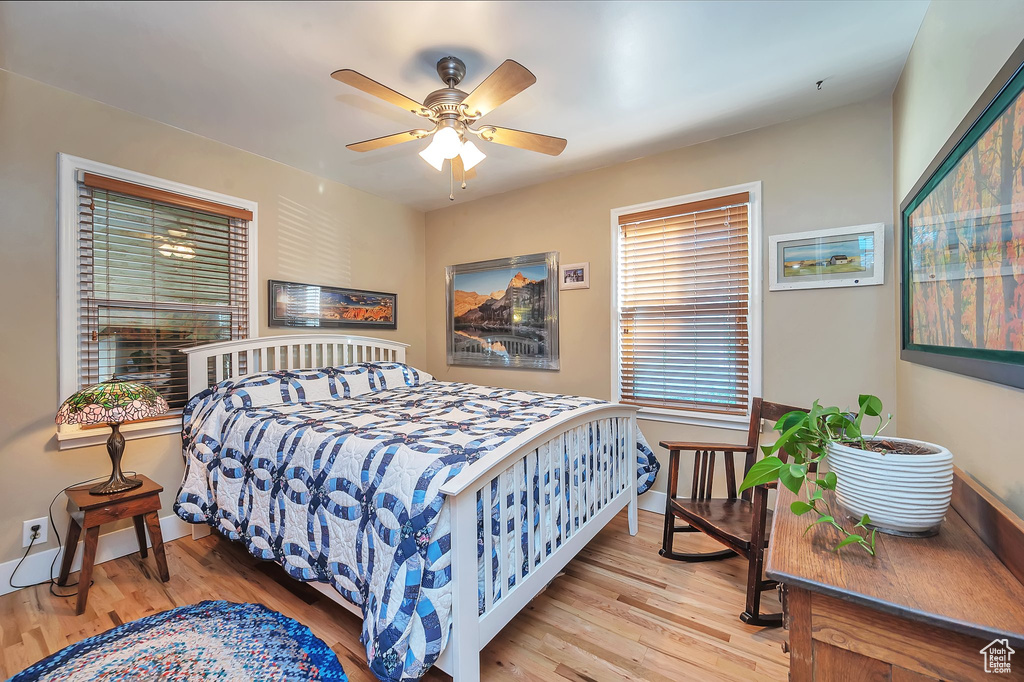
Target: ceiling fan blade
x,y
535,142
372,87
458,168
504,83
387,140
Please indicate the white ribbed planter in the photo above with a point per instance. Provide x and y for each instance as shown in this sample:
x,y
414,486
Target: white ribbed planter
x,y
902,494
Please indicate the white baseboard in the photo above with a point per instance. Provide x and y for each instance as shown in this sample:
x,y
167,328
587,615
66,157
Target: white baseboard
x,y
111,546
652,501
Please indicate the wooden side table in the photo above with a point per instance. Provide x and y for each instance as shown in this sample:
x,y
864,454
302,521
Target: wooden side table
x,y
89,512
922,609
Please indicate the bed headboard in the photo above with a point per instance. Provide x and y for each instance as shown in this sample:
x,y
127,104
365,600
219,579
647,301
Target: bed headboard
x,y
215,362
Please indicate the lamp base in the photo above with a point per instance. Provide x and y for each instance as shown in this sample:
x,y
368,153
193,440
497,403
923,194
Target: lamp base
x,y
115,486
118,482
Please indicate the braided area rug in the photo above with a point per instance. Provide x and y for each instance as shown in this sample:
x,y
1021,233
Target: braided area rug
x,y
212,640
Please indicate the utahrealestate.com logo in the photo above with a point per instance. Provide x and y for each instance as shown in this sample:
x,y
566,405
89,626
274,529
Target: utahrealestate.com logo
x,y
997,656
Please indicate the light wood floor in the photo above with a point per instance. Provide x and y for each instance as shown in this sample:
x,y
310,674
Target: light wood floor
x,y
619,612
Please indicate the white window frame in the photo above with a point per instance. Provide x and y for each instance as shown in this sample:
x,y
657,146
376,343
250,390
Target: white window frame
x,y
69,169
754,303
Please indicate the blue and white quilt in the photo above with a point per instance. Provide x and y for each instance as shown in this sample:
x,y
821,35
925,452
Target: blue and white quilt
x,y
334,474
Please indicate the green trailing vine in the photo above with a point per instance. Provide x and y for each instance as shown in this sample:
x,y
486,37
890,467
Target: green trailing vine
x,y
805,437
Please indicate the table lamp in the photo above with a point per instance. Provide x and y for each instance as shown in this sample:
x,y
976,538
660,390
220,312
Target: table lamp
x,y
112,402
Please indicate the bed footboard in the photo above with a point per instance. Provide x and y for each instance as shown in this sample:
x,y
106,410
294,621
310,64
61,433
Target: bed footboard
x,y
584,463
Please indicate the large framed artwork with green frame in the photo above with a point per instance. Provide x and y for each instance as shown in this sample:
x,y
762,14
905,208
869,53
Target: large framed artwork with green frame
x,y
963,243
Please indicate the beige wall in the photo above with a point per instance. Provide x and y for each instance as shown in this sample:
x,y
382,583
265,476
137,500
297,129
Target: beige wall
x,y
310,230
828,170
842,167
959,49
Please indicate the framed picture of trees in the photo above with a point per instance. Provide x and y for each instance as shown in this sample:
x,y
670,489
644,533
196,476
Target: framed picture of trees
x,y
963,243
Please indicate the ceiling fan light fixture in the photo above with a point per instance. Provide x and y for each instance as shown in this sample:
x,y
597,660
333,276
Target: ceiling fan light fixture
x,y
448,142
471,155
182,251
433,156
452,112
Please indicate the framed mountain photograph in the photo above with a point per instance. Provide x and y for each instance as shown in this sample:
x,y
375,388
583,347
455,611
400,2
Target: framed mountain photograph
x,y
504,312
963,243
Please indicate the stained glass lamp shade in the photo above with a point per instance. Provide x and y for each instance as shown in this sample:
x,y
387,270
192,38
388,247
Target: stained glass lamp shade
x,y
112,402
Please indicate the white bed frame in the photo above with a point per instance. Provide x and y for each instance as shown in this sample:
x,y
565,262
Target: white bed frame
x,y
611,484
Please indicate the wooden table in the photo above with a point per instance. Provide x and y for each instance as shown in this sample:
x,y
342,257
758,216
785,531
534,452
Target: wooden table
x,y
922,609
89,512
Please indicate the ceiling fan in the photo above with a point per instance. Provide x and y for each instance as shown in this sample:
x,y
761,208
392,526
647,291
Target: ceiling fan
x,y
453,113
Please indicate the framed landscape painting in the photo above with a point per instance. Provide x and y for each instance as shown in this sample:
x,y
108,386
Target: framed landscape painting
x,y
504,312
836,257
963,243
309,305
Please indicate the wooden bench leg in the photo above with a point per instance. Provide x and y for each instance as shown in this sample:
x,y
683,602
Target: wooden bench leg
x,y
92,536
70,549
153,524
140,534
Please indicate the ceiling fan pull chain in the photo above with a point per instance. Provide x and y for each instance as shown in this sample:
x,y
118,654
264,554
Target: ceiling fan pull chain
x,y
451,182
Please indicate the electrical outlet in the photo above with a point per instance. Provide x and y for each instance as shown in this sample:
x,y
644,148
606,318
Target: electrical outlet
x,y
26,531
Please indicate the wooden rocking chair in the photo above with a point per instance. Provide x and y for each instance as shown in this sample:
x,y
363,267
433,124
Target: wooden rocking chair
x,y
740,523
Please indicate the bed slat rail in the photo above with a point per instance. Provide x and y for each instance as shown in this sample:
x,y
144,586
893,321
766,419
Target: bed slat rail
x,y
539,500
216,362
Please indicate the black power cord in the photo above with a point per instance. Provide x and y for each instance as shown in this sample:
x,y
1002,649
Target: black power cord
x,y
60,545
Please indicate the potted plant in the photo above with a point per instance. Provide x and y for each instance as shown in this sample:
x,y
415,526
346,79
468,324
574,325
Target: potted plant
x,y
893,485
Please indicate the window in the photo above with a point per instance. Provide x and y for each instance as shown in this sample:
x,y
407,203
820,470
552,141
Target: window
x,y
150,268
687,332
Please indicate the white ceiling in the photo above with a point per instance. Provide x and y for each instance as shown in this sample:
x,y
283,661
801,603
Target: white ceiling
x,y
619,80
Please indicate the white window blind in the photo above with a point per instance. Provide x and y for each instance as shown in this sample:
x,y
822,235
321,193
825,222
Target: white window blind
x,y
157,272
684,306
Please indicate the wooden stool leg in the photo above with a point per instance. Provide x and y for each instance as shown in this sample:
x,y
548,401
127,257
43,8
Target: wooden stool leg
x,y
153,524
140,533
70,549
92,536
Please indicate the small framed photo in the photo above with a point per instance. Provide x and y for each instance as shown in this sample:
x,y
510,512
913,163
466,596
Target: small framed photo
x,y
838,257
574,276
